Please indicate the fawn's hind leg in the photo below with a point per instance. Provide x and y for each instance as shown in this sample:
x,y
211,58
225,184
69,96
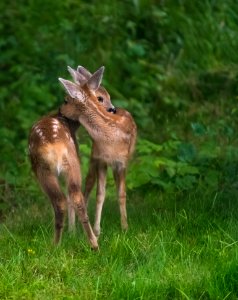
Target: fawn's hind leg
x,y
73,179
71,215
50,185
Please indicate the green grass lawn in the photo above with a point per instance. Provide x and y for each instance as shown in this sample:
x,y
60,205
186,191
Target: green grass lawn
x,y
178,246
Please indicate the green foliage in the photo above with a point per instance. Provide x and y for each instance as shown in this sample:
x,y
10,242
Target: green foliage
x,y
184,166
159,57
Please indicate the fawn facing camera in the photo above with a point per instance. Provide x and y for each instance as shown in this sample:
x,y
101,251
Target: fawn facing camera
x,y
53,152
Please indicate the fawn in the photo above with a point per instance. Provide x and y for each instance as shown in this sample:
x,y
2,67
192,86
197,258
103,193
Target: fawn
x,y
114,138
53,152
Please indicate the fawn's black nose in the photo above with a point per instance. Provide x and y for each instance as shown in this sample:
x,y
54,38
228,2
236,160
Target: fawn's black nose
x,y
112,110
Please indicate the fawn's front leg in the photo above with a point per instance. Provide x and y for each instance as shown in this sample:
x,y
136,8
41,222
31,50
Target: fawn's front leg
x,y
101,185
119,173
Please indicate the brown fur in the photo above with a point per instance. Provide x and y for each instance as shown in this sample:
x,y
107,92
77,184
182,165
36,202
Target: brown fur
x,y
114,146
114,138
53,152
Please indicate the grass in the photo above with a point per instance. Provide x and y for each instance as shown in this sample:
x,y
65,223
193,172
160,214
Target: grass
x,y
179,246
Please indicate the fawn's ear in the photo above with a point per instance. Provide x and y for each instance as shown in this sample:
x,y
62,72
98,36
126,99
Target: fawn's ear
x,y
96,79
77,77
84,72
73,90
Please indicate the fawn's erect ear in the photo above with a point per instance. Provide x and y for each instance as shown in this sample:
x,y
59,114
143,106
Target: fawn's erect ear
x,y
77,77
84,72
73,90
96,79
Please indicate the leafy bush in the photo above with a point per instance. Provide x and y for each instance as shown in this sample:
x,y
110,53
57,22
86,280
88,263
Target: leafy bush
x,y
171,64
185,165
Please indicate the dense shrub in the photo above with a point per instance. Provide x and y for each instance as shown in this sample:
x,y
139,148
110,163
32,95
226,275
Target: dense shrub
x,y
173,64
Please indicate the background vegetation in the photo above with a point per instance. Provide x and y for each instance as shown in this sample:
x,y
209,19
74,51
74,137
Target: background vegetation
x,y
173,65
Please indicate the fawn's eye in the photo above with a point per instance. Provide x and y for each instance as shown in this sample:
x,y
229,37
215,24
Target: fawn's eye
x,y
65,101
100,99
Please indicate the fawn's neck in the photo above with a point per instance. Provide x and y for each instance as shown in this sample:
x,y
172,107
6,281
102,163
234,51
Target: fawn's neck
x,y
71,124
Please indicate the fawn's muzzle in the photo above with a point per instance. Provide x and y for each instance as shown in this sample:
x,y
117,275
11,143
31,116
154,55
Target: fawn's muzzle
x,y
112,110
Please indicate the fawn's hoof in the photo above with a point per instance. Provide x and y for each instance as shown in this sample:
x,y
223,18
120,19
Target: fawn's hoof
x,y
94,244
124,226
95,247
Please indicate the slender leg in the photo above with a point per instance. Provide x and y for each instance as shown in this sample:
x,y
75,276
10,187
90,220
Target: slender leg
x,y
50,185
71,215
90,179
101,184
74,190
119,174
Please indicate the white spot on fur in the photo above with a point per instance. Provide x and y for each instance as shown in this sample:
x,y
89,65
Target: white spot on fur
x,y
55,121
35,126
38,130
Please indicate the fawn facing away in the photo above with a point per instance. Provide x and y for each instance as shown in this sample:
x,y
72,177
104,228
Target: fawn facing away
x,y
53,152
114,138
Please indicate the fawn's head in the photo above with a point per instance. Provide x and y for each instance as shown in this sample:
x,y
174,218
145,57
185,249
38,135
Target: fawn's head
x,y
82,76
85,92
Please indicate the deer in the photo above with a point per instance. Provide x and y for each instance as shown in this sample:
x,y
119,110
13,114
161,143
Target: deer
x,y
54,153
113,142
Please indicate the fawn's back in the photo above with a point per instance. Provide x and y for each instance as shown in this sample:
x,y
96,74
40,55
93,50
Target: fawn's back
x,y
53,151
52,144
